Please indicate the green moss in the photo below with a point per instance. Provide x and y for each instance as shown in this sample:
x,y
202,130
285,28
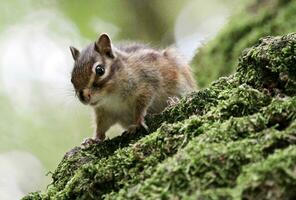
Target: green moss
x,y
203,147
217,142
274,178
33,195
270,179
198,167
260,19
271,65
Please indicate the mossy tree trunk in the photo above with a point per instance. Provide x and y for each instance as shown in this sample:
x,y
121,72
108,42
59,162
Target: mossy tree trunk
x,y
235,139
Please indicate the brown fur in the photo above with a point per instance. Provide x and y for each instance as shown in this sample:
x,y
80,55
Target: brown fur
x,y
137,80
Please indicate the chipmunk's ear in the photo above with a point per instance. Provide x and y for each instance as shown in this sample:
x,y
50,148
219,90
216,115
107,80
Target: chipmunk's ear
x,y
103,45
75,52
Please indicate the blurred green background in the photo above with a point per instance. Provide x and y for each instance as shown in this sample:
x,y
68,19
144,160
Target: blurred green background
x,y
38,111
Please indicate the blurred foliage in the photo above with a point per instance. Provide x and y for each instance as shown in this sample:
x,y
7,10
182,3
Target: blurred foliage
x,y
148,20
42,132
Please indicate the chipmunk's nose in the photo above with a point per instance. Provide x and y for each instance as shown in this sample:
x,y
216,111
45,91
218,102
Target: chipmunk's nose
x,y
84,95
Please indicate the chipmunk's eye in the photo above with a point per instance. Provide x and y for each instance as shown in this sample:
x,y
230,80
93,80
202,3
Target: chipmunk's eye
x,y
100,70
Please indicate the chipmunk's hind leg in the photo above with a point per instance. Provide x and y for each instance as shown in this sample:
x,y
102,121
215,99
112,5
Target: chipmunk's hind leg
x,y
132,129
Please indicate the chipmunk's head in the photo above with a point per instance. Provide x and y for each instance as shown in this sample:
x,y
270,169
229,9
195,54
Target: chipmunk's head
x,y
93,70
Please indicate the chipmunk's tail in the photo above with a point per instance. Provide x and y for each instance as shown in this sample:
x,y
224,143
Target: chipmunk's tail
x,y
172,54
186,77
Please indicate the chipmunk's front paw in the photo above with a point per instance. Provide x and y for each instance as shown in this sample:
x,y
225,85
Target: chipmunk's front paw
x,y
90,141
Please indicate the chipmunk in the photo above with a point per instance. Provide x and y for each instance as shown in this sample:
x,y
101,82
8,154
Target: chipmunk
x,y
123,83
